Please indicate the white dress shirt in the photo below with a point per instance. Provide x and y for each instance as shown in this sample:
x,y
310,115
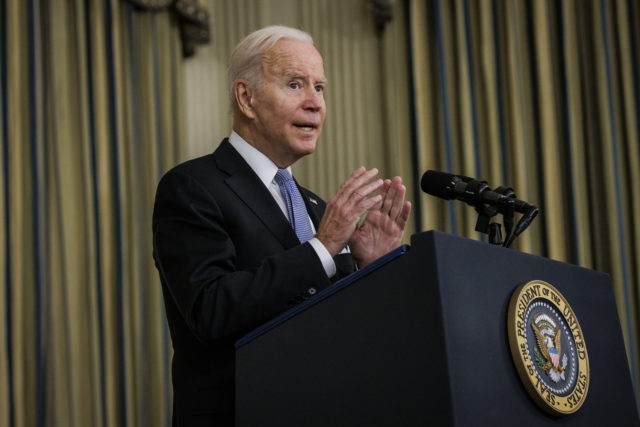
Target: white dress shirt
x,y
266,171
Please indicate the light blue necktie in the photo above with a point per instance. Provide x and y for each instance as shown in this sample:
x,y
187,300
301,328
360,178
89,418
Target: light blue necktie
x,y
295,205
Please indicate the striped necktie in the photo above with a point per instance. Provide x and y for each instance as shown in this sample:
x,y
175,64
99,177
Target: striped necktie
x,y
295,205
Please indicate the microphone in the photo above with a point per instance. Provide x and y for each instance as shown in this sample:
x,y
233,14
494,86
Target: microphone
x,y
479,194
471,191
518,205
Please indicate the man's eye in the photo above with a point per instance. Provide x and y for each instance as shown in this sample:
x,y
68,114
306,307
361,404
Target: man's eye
x,y
319,88
294,85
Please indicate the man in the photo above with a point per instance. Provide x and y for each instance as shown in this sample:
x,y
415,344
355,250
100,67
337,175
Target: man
x,y
224,241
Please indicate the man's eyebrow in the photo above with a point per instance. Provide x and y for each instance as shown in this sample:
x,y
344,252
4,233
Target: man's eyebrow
x,y
294,76
298,76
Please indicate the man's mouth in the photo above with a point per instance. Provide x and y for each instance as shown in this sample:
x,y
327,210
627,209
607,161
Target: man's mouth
x,y
307,127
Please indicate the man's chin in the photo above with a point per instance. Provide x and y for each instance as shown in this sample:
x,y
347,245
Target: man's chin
x,y
306,147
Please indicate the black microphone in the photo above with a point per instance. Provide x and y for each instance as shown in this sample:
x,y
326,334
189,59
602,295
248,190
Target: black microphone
x,y
471,191
479,194
518,205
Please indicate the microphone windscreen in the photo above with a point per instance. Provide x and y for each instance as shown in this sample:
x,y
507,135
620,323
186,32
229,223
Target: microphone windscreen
x,y
438,184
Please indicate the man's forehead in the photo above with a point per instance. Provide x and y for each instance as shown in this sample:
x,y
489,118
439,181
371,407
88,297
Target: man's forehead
x,y
292,57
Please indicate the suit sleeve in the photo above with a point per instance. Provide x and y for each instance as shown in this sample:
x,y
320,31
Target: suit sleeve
x,y
197,257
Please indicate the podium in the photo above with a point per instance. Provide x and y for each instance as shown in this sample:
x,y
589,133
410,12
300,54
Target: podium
x,y
420,338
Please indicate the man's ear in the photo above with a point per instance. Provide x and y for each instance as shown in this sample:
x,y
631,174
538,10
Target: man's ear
x,y
244,98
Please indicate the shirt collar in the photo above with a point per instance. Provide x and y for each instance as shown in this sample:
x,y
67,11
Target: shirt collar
x,y
261,164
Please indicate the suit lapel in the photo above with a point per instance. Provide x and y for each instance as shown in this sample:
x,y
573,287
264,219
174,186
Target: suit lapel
x,y
248,187
315,205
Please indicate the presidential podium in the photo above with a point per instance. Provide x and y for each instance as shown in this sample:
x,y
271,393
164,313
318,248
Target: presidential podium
x,y
420,338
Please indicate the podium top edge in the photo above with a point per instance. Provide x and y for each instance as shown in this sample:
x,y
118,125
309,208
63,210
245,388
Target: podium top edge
x,y
322,295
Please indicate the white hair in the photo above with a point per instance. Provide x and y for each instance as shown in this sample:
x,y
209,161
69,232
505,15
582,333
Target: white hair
x,y
246,59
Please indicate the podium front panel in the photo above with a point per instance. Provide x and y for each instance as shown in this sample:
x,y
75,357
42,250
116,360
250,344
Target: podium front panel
x,y
422,340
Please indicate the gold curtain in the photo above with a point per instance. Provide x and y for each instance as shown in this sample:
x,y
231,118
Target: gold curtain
x,y
90,117
543,96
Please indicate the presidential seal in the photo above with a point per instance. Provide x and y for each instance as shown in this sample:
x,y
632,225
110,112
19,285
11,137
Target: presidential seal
x,y
548,348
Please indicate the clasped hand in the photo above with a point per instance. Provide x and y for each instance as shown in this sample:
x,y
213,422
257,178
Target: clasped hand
x,y
369,215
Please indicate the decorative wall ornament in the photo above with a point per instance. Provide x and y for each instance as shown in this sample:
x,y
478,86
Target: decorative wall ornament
x,y
151,4
382,11
192,16
194,24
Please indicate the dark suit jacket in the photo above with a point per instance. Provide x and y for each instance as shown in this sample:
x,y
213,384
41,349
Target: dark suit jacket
x,y
228,261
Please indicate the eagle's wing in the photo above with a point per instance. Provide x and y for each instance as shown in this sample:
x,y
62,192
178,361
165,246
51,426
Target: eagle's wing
x,y
540,340
557,340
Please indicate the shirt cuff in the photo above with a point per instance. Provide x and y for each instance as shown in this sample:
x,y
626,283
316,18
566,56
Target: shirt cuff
x,y
325,257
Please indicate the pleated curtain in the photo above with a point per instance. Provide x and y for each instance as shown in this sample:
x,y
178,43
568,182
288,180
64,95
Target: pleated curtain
x,y
90,117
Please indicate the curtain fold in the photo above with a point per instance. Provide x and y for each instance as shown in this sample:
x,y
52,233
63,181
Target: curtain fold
x,y
542,96
90,118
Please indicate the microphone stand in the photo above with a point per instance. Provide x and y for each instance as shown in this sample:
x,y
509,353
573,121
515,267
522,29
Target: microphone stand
x,y
508,213
484,224
485,212
507,210
524,222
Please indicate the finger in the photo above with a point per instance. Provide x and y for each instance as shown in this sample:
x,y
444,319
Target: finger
x,y
403,217
347,182
382,190
358,178
398,201
394,198
368,206
363,186
368,203
389,196
367,190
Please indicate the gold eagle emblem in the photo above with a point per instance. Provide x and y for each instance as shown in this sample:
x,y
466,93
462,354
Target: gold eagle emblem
x,y
548,353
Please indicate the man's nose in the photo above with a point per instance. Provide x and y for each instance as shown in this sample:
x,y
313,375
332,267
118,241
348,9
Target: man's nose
x,y
314,100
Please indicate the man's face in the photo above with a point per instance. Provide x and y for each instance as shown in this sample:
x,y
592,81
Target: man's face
x,y
289,104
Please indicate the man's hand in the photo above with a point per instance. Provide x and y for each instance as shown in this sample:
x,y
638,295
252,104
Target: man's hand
x,y
354,197
383,227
